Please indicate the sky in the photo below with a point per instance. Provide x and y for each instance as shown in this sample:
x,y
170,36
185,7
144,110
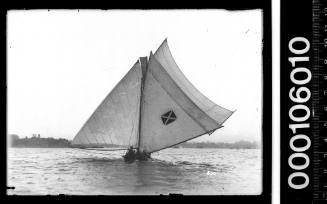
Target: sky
x,y
62,63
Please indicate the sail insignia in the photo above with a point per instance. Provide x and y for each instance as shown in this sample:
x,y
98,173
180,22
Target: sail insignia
x,y
168,117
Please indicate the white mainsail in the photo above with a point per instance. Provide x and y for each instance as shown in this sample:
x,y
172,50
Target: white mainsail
x,y
166,89
153,107
116,120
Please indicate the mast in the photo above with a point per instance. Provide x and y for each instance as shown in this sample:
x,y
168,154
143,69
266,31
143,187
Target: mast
x,y
144,65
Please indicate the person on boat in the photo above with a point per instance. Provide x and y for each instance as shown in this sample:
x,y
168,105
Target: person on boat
x,y
142,155
131,150
130,155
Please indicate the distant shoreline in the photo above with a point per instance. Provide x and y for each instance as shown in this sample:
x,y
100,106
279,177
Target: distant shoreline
x,y
38,142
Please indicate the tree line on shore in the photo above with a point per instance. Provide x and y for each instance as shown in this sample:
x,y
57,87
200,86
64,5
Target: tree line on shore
x,y
37,141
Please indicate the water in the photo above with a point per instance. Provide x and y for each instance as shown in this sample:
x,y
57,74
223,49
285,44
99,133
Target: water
x,y
42,171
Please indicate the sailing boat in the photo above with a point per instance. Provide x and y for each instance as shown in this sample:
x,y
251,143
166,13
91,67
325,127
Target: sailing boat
x,y
152,108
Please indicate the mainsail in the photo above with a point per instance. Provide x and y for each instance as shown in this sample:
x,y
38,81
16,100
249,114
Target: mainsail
x,y
165,58
152,108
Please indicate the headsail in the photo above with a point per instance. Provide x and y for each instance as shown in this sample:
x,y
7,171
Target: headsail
x,y
173,110
116,120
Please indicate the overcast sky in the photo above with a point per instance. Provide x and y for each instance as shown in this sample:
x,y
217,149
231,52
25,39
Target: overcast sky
x,y
62,64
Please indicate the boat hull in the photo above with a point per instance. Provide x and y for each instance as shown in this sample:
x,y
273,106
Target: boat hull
x,y
141,156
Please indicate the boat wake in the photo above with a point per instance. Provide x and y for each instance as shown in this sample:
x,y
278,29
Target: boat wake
x,y
195,166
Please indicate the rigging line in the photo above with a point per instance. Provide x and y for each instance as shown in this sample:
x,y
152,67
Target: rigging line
x,y
97,122
110,139
133,124
185,140
214,106
95,135
80,139
115,101
111,122
106,149
77,140
109,135
232,112
126,95
82,136
113,112
90,121
130,105
103,139
134,68
81,131
122,95
88,150
185,87
85,136
84,150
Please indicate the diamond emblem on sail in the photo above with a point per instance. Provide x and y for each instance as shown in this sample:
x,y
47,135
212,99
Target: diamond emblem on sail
x,y
168,117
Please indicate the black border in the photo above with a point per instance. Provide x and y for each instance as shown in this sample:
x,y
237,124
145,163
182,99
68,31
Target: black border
x,y
265,197
296,21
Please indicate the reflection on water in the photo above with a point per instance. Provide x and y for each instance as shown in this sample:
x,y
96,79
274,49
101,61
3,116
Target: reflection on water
x,y
187,171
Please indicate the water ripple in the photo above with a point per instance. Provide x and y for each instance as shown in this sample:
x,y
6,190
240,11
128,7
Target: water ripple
x,y
44,171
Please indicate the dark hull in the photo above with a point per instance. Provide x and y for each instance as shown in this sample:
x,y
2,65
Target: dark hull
x,y
130,157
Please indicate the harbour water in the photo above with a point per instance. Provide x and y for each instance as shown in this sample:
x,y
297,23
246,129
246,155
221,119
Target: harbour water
x,y
42,171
